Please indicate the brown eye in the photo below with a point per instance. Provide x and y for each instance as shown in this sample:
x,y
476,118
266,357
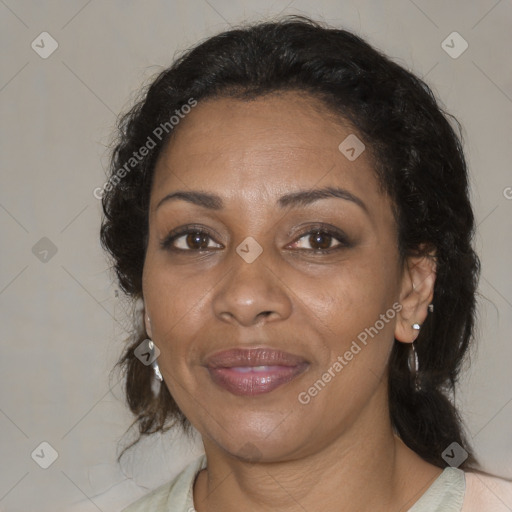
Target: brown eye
x,y
197,241
320,240
189,240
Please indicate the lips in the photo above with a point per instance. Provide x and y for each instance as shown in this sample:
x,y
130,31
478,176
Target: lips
x,y
253,357
254,371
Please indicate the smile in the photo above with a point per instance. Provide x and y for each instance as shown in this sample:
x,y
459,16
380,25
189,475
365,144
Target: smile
x,y
254,380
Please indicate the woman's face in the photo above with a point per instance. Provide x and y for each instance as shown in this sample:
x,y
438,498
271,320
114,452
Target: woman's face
x,y
260,279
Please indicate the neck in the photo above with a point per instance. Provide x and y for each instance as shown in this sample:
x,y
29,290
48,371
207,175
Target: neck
x,y
367,468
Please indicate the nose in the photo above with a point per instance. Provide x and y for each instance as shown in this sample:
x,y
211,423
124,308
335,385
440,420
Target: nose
x,y
251,293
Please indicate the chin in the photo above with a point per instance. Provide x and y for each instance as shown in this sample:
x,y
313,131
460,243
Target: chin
x,y
261,438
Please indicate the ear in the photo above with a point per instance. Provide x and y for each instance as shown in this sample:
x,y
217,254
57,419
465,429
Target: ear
x,y
147,323
417,292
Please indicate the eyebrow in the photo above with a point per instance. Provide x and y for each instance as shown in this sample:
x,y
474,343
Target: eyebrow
x,y
293,199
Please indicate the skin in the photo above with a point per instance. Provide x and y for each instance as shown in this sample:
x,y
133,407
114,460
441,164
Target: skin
x,y
339,451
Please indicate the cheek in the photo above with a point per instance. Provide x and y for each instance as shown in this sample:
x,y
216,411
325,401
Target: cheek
x,y
351,297
177,302
347,308
174,305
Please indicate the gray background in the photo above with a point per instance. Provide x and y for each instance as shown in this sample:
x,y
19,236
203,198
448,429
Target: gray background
x,y
62,321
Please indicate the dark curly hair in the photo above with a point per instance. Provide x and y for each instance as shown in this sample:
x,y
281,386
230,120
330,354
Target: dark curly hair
x,y
418,160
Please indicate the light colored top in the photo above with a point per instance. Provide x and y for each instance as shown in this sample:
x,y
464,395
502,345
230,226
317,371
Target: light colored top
x,y
452,491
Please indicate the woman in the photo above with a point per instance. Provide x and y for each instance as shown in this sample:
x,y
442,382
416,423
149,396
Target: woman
x,y
292,209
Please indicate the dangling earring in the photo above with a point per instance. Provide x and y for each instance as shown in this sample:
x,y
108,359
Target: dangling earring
x,y
413,364
412,361
152,350
154,364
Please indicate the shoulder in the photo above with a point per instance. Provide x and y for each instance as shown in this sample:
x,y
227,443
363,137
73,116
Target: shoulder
x,y
466,491
445,494
487,492
174,496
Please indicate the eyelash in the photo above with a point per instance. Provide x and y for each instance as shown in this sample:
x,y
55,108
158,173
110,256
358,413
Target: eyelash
x,y
336,234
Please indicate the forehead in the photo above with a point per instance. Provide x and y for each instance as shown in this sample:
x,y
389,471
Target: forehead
x,y
252,150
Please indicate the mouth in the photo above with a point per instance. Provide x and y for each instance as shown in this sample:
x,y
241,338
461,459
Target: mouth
x,y
248,372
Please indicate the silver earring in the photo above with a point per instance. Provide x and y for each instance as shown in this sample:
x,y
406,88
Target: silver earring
x,y
154,364
431,308
416,327
414,366
156,369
